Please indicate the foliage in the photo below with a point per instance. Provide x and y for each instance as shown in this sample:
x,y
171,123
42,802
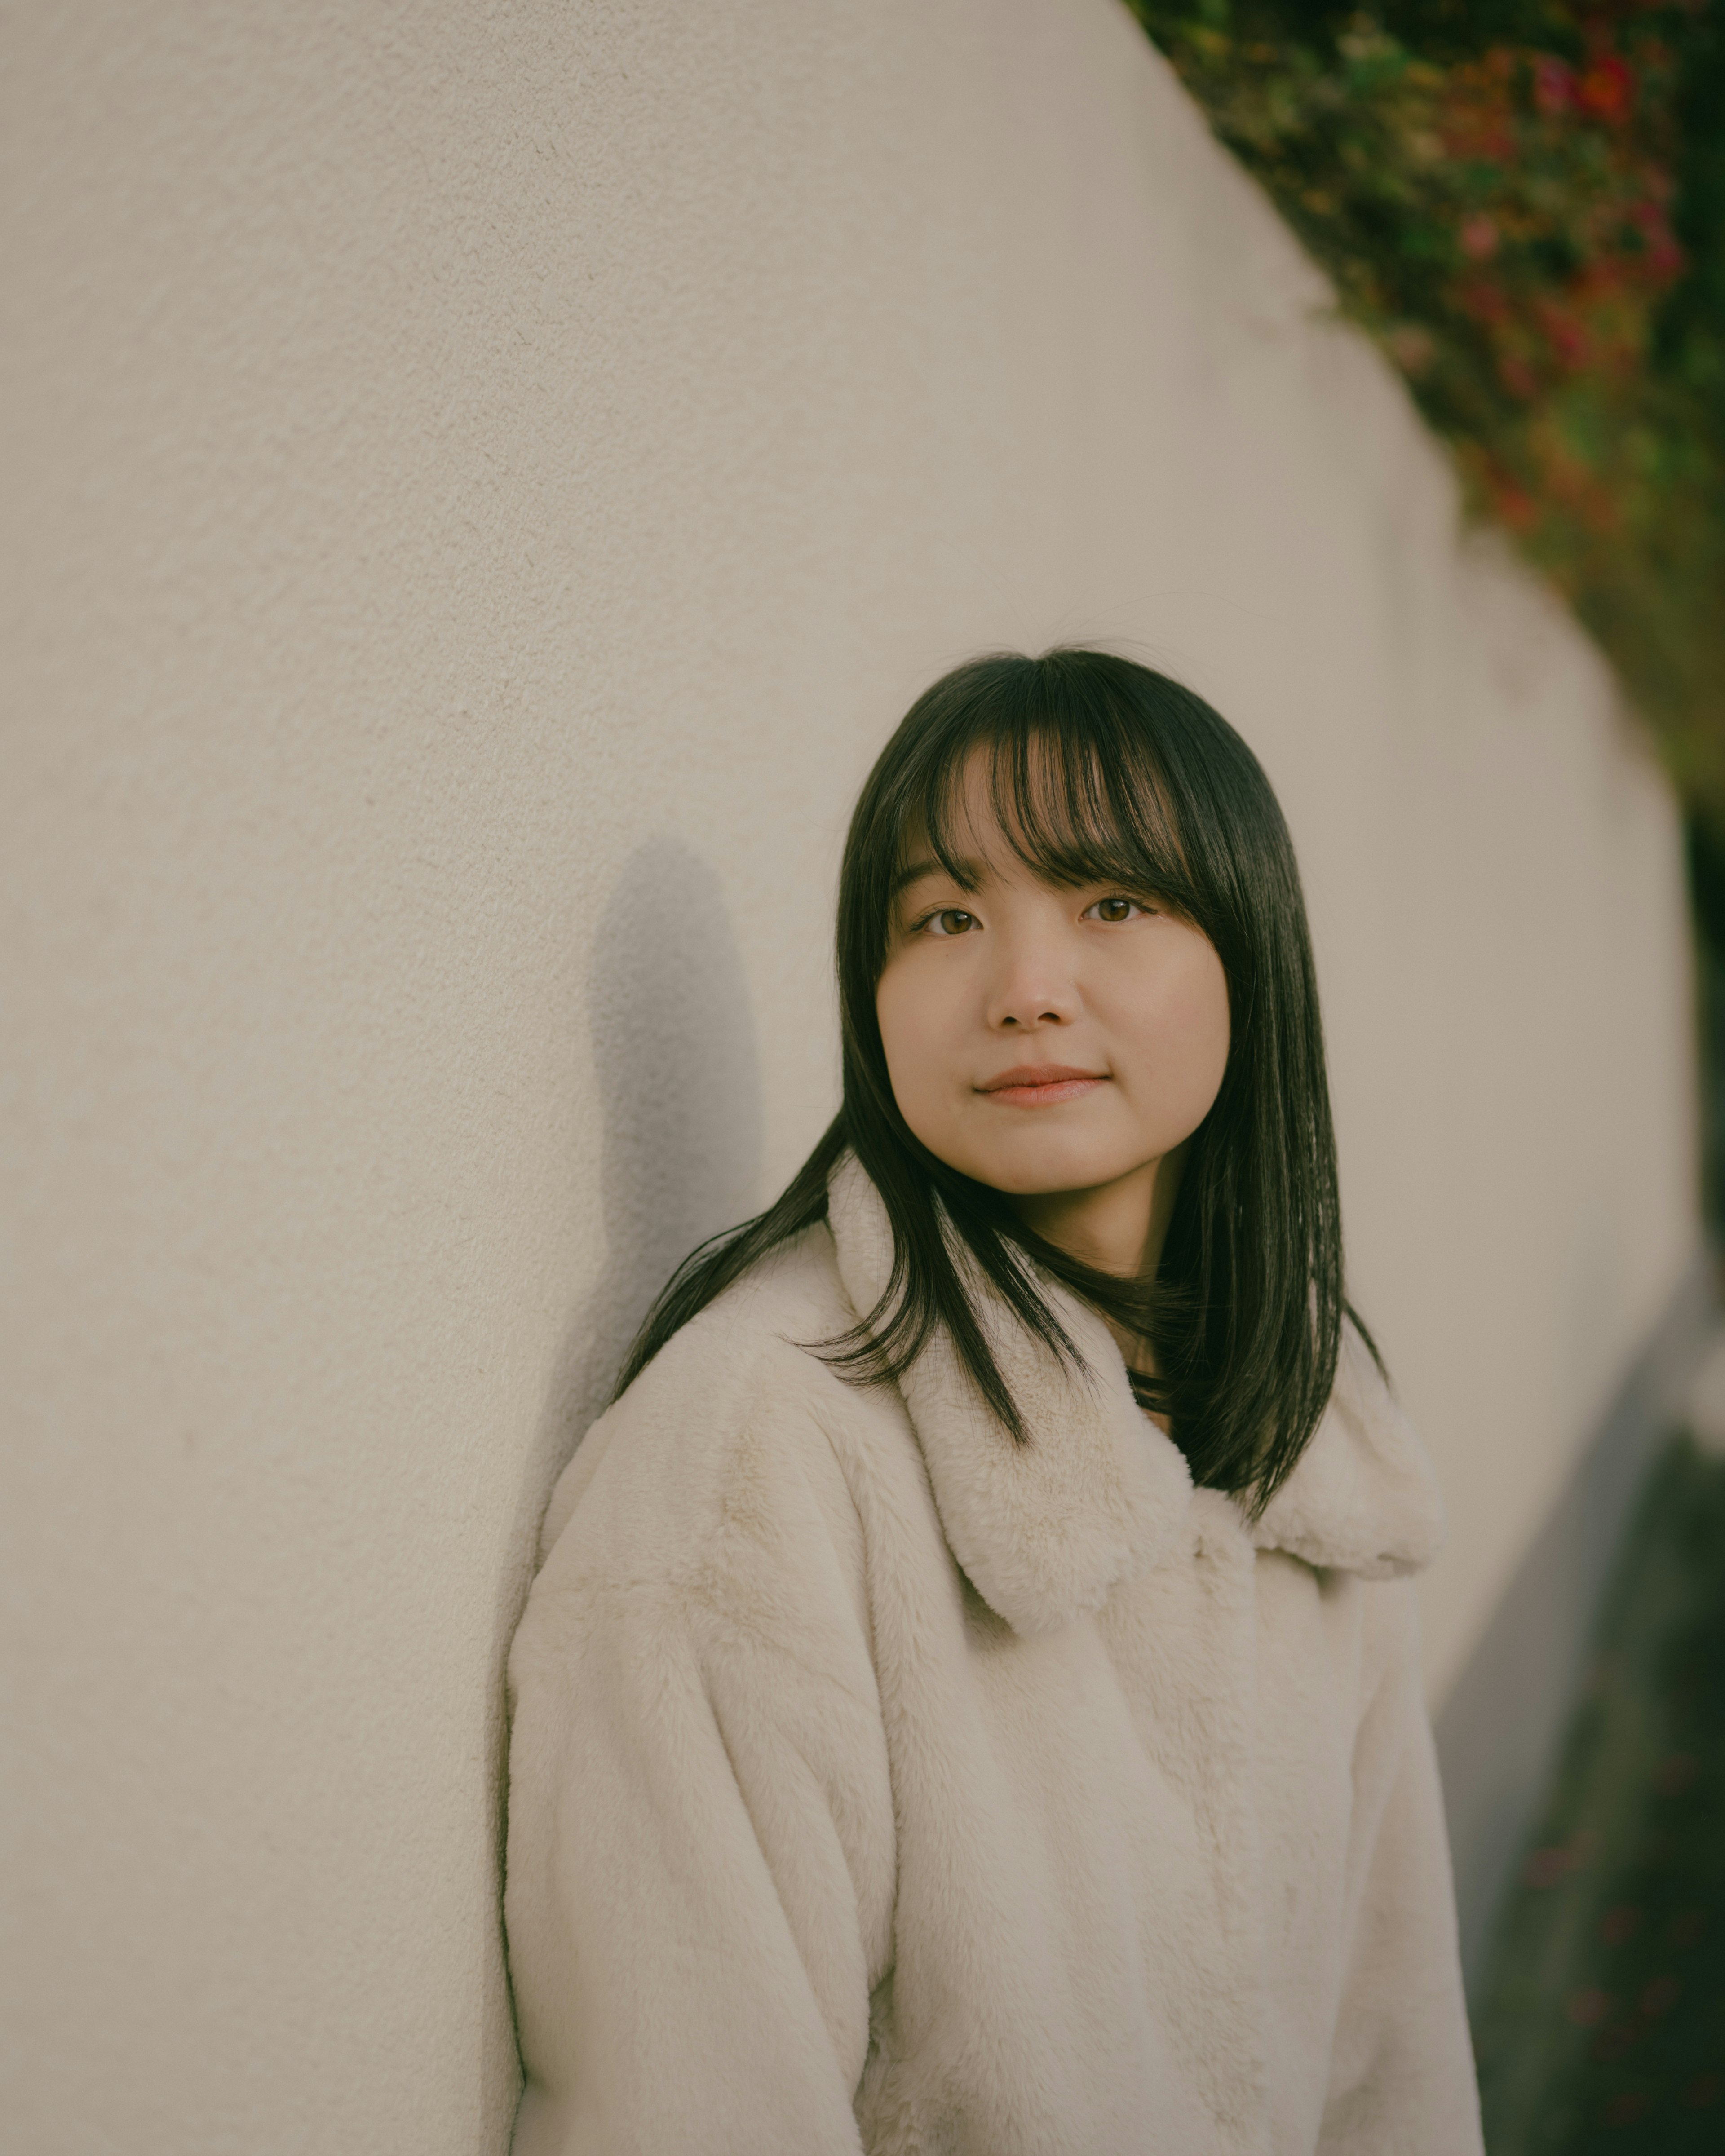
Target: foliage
x,y
1596,2022
1524,202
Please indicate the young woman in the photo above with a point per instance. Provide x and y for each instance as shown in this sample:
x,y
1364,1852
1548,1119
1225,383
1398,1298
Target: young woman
x,y
971,1703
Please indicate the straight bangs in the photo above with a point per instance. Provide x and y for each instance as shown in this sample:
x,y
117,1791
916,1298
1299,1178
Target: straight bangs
x,y
1074,782
1098,771
1078,799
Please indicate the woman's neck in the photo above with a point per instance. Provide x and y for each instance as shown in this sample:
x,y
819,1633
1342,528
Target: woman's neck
x,y
1119,1227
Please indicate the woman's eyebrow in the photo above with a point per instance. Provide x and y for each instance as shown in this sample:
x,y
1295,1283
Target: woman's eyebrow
x,y
967,874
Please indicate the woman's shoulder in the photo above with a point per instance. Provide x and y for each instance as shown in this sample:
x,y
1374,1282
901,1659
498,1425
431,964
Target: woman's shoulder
x,y
733,1409
1363,1497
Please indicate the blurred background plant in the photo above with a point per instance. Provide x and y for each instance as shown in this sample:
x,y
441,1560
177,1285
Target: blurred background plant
x,y
1523,201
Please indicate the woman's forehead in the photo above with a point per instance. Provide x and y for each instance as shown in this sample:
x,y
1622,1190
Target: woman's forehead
x,y
1007,807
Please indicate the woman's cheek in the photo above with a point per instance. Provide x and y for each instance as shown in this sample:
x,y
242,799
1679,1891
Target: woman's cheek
x,y
909,1011
917,1105
1197,1033
1178,1030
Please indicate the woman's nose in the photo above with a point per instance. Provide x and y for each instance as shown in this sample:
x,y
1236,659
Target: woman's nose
x,y
1031,988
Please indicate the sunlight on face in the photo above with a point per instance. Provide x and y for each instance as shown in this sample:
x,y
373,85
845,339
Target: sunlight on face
x,y
1043,1040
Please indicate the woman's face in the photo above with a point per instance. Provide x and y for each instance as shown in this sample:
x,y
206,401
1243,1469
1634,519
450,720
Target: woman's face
x,y
1044,1039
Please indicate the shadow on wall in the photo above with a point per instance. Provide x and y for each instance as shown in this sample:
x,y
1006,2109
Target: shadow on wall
x,y
679,1074
674,1045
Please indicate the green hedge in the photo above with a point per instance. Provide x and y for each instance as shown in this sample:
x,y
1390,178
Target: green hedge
x,y
1525,204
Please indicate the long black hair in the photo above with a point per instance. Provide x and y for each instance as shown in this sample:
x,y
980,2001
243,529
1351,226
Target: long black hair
x,y
1101,770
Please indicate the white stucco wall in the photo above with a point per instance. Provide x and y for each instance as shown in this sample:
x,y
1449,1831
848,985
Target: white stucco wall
x,y
481,483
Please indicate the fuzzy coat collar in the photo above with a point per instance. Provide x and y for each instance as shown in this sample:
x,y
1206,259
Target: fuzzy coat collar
x,y
1046,1531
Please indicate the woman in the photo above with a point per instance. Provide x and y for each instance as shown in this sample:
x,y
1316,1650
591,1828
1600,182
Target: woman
x,y
970,1701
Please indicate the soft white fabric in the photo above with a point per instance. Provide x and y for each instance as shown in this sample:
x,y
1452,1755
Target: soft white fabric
x,y
878,1786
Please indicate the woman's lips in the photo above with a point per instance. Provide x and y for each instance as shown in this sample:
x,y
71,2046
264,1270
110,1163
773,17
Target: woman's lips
x,y
1033,1086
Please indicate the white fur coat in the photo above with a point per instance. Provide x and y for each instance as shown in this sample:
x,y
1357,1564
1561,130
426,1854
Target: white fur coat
x,y
876,1785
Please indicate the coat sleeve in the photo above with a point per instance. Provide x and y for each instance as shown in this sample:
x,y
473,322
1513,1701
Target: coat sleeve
x,y
1402,2078
700,1854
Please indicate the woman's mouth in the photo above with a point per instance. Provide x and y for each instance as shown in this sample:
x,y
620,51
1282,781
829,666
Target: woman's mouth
x,y
1037,1086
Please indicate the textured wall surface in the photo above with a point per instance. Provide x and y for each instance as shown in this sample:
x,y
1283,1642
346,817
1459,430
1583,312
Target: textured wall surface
x,y
481,483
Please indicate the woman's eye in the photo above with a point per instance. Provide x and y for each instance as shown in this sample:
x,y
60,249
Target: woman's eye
x,y
950,921
1114,909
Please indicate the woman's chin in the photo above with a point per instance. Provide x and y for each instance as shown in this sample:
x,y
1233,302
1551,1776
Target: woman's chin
x,y
1050,1175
